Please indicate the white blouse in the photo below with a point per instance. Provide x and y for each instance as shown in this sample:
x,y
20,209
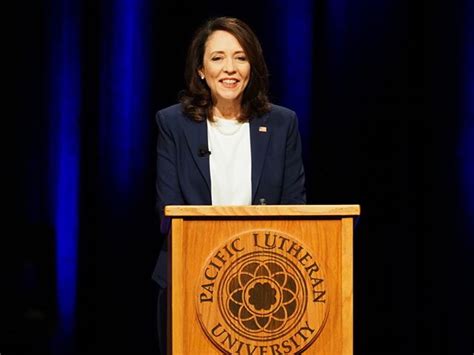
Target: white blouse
x,y
230,162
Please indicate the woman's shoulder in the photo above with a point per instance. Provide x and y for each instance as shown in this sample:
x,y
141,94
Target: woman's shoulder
x,y
171,111
281,110
172,116
280,115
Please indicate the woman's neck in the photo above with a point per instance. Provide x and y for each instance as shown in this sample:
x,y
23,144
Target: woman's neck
x,y
229,110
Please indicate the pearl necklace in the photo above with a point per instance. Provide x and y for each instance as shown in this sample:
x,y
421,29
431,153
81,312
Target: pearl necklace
x,y
227,127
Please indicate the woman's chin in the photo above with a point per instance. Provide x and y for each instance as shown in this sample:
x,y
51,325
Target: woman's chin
x,y
229,97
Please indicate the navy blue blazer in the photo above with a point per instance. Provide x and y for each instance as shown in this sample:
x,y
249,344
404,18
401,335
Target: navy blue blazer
x,y
183,176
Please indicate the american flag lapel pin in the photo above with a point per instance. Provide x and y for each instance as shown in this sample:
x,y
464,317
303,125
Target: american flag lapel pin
x,y
262,129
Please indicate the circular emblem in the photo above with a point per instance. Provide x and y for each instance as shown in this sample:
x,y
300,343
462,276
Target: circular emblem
x,y
260,289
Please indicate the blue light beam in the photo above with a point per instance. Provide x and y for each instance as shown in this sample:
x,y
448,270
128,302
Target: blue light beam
x,y
64,104
125,77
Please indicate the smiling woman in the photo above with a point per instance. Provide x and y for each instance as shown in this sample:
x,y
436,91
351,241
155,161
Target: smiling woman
x,y
224,143
226,71
225,49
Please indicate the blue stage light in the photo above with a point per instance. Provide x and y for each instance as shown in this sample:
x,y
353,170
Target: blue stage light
x,y
124,86
296,53
64,116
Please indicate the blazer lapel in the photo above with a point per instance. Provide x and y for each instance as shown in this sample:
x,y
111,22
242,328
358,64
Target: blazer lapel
x,y
260,132
196,137
259,138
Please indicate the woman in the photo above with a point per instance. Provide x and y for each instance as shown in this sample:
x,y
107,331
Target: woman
x,y
224,143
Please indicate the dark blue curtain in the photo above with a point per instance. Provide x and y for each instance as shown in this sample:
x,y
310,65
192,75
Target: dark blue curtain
x,y
384,95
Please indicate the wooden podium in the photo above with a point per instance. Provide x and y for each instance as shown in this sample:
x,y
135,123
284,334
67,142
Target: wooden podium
x,y
261,279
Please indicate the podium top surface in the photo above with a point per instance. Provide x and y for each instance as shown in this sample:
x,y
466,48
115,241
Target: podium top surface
x,y
263,210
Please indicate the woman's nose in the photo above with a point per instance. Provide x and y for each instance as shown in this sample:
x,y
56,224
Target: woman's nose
x,y
229,66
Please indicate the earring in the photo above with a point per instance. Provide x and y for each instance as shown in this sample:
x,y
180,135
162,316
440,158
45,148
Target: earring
x,y
202,77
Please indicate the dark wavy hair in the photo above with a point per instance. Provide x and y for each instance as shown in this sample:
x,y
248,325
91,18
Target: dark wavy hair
x,y
196,99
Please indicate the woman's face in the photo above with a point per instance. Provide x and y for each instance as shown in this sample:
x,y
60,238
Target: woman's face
x,y
225,67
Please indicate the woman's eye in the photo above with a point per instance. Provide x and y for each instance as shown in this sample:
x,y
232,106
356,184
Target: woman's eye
x,y
242,58
215,59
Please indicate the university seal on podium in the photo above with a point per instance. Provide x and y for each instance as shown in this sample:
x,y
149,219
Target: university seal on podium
x,y
262,291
